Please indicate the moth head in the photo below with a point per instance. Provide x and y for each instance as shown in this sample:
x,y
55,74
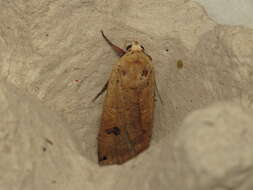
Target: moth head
x,y
135,46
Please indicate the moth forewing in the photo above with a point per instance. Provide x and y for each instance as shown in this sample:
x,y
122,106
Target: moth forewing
x,y
127,116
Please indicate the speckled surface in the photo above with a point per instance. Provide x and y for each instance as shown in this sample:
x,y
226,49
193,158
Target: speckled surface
x,y
230,12
54,52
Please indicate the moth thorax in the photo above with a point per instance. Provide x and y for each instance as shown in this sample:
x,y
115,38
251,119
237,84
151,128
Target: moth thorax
x,y
136,46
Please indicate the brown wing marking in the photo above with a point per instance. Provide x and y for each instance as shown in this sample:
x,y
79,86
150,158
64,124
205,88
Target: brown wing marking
x,y
127,121
146,104
111,133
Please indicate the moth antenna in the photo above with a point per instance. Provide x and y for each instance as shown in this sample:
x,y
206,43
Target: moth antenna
x,y
101,92
120,52
158,94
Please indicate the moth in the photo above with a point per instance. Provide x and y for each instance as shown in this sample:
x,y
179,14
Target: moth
x,y
128,109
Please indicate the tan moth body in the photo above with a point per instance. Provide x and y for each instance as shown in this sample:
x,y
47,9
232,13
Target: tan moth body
x,y
127,117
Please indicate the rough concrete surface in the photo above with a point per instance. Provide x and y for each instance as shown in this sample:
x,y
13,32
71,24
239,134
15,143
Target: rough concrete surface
x,y
54,61
232,12
213,148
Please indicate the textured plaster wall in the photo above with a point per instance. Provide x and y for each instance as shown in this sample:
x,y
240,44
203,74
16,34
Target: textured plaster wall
x,y
54,61
231,12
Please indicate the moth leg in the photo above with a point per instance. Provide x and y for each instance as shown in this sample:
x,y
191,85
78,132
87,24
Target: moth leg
x,y
120,52
158,94
101,91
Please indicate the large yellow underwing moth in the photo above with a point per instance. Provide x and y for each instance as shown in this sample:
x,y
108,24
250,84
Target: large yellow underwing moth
x,y
127,117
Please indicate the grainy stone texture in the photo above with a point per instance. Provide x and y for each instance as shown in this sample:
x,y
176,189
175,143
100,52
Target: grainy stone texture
x,y
230,12
213,148
53,50
37,152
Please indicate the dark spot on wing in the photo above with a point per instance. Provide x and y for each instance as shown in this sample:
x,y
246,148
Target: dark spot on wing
x,y
114,130
123,73
103,158
144,73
